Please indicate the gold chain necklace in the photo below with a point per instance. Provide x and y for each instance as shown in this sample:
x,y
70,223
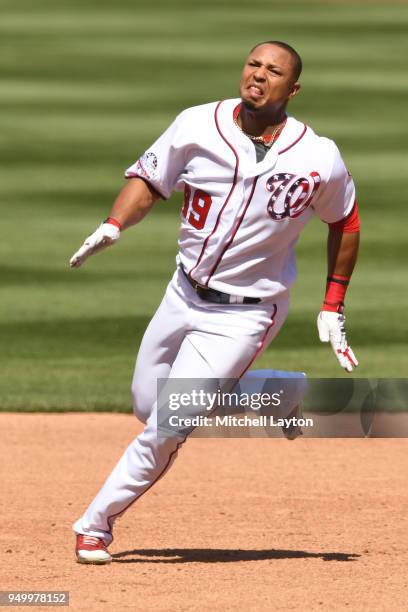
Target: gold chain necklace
x,y
261,139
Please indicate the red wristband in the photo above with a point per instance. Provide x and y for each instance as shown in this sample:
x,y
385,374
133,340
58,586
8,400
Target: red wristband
x,y
114,222
335,292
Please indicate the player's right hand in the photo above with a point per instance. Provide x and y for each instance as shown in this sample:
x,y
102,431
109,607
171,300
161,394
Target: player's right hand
x,y
104,236
332,329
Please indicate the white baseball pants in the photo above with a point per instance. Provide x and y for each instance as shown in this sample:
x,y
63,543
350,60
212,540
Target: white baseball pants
x,y
187,338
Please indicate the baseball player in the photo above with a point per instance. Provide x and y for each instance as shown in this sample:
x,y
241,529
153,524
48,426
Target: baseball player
x,y
252,177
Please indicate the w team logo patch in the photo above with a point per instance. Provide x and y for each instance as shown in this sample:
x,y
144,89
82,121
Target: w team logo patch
x,y
291,195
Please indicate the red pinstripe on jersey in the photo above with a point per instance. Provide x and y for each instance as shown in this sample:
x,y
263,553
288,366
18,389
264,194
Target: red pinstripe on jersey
x,y
236,228
234,183
295,141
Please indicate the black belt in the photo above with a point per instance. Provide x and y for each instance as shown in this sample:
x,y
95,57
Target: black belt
x,y
218,297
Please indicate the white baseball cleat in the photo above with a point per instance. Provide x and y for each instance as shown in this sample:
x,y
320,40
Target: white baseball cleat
x,y
90,549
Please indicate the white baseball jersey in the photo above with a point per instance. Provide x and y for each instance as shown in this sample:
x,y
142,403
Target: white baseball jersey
x,y
241,219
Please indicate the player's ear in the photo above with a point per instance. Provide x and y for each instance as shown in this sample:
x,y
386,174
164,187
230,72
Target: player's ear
x,y
295,90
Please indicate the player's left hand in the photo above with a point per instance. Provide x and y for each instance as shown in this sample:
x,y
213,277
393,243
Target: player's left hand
x,y
331,326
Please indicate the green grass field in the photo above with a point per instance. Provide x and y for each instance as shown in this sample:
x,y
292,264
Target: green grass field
x,y
86,86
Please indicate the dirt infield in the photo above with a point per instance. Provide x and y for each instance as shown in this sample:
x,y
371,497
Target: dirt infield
x,y
243,524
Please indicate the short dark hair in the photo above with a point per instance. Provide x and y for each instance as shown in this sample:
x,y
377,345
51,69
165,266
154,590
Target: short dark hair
x,y
297,60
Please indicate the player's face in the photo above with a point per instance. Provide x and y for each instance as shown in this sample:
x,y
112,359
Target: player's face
x,y
268,78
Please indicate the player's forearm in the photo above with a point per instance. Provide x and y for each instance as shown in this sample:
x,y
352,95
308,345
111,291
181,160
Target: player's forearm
x,y
133,202
342,252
